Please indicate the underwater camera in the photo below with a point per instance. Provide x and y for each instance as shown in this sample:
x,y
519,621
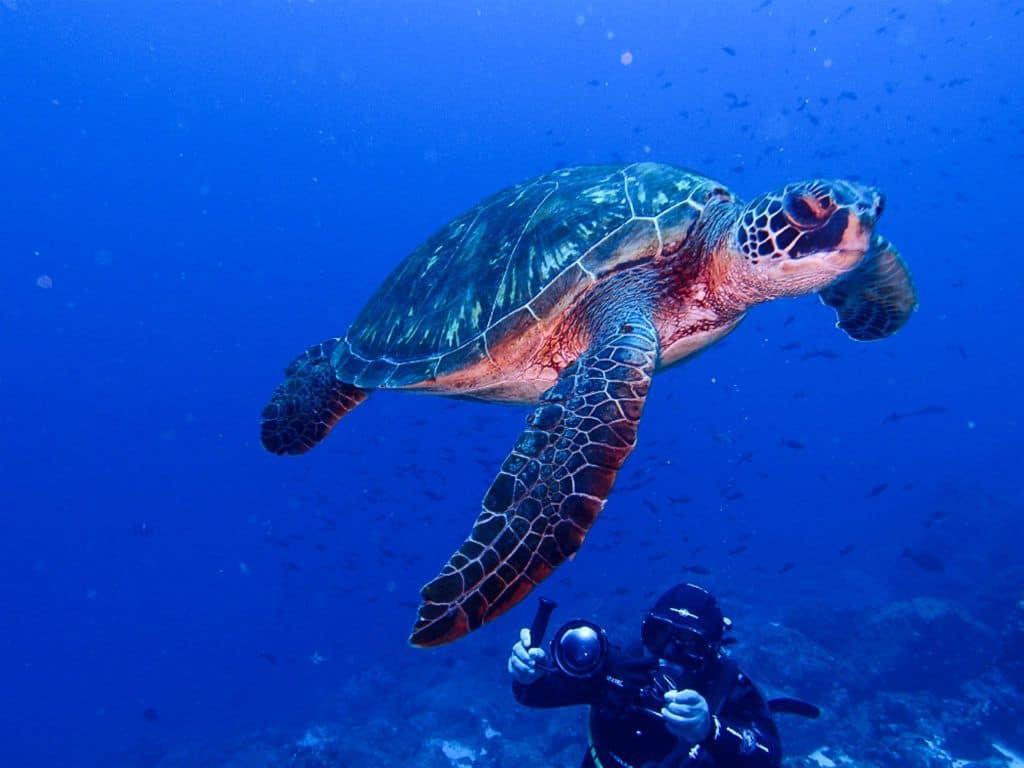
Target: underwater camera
x,y
579,649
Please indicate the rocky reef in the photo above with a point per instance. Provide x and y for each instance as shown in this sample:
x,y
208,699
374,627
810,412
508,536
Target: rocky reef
x,y
916,683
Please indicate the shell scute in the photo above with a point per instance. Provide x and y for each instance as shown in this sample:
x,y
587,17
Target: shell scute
x,y
559,292
638,239
509,327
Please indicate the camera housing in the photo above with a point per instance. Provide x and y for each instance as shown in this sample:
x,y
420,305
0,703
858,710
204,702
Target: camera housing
x,y
580,648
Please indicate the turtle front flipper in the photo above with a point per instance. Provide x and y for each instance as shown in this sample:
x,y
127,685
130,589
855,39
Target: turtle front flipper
x,y
877,298
550,488
308,403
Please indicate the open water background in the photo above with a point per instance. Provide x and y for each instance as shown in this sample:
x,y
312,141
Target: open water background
x,y
193,192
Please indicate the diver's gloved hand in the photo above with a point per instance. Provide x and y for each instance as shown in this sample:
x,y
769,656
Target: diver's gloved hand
x,y
686,715
522,664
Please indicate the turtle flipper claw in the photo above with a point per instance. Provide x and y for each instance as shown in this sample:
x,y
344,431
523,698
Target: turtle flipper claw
x,y
308,403
877,298
550,488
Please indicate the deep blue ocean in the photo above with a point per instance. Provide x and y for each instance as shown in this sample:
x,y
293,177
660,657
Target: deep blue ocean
x,y
195,192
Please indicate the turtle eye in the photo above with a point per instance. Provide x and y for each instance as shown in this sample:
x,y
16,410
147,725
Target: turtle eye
x,y
806,211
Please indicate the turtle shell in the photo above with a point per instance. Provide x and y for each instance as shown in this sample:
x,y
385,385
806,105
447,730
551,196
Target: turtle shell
x,y
517,258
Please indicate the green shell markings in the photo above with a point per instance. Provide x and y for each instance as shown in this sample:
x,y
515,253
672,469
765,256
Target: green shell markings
x,y
511,261
569,292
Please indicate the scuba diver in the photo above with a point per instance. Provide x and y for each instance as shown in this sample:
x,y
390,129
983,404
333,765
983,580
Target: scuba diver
x,y
685,704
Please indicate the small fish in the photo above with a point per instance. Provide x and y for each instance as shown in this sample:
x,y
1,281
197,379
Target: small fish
x,y
150,714
732,495
680,499
847,549
724,438
727,49
789,321
640,482
827,354
594,83
735,102
269,658
738,550
935,517
745,458
877,490
928,410
788,566
790,347
796,445
700,570
926,561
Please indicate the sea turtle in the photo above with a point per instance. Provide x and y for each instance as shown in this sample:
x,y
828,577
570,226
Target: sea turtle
x,y
569,291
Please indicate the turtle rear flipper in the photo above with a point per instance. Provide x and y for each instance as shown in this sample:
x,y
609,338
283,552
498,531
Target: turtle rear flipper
x,y
308,403
550,488
877,298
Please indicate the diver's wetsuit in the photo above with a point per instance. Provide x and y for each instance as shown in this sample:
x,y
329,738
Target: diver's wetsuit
x,y
621,735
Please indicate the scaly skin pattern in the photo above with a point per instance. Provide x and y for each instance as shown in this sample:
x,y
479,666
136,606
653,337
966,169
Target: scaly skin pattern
x,y
550,488
308,403
877,298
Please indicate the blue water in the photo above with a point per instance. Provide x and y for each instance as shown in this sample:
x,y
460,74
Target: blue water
x,y
195,192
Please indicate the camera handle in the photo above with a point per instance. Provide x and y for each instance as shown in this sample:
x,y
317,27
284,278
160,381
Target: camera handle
x,y
540,621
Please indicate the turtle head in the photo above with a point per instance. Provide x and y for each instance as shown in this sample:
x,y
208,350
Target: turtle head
x,y
802,237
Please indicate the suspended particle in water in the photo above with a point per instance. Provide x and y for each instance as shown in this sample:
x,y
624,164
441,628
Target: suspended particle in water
x,y
626,58
581,20
44,281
